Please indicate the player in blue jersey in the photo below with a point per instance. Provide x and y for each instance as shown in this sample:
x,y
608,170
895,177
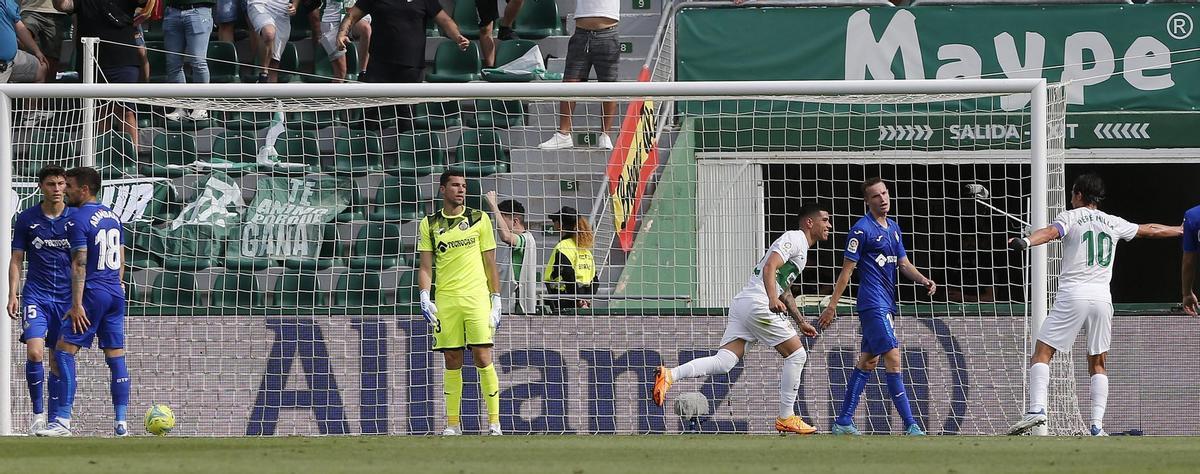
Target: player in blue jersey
x,y
1191,251
97,299
876,243
40,235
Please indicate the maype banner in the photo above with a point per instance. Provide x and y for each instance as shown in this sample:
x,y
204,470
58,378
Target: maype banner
x,y
235,375
1116,57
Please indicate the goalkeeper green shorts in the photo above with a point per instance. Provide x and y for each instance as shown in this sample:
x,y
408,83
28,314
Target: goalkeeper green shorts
x,y
466,321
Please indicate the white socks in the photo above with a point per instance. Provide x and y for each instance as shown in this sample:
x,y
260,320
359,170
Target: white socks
x,y
789,381
1039,384
1099,399
720,363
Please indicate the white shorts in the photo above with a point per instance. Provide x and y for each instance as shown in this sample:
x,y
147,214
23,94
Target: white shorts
x,y
329,33
272,13
749,323
1063,323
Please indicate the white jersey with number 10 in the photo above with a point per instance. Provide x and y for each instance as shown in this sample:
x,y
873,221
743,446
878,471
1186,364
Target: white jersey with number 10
x,y
792,246
1089,247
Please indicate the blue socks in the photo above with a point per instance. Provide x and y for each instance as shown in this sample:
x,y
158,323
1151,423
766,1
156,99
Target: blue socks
x,y
854,389
54,387
35,376
66,369
895,383
120,385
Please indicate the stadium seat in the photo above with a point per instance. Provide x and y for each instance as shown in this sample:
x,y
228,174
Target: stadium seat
x,y
506,52
237,258
289,62
222,63
436,116
352,67
116,156
376,247
326,251
452,65
236,147
299,147
323,69
170,149
48,148
420,154
346,191
189,248
467,18
245,122
174,289
234,289
491,113
480,153
297,287
157,57
398,199
474,194
357,152
358,289
313,120
538,19
144,246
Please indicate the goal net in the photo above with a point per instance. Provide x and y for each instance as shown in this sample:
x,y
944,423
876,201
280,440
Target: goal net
x,y
270,246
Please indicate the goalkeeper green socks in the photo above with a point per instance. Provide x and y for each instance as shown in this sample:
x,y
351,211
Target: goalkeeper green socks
x,y
490,384
452,387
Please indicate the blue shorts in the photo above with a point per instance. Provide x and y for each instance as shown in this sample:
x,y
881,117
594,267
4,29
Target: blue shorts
x,y
228,11
878,336
106,319
41,318
122,74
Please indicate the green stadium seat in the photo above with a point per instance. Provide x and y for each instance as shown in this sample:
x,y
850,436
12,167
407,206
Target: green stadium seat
x,y
238,258
222,63
467,18
289,61
144,246
47,148
352,62
116,156
480,153
398,199
298,288
236,147
452,65
538,19
357,152
326,251
313,120
170,149
358,289
323,68
376,247
406,288
156,55
420,154
299,147
189,248
436,116
243,122
506,52
474,194
174,289
490,113
234,289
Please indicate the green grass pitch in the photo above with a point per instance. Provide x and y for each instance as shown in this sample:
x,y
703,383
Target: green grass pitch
x,y
604,454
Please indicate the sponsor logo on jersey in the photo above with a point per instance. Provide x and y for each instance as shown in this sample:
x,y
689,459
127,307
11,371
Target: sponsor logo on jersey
x,y
884,260
38,243
453,244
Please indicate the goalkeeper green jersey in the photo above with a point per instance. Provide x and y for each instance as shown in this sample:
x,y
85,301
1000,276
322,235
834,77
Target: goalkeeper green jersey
x,y
458,242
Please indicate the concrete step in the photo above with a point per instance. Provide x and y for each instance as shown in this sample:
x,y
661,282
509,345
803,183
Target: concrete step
x,y
571,161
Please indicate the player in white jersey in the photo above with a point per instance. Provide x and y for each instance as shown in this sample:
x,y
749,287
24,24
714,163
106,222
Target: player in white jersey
x,y
1089,239
755,315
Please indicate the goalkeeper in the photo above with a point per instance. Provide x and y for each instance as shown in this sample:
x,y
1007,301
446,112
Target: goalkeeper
x,y
458,242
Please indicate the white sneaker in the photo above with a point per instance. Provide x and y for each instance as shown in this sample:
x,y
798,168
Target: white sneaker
x,y
1097,431
604,142
120,429
494,430
559,141
198,114
1028,421
54,429
38,423
175,115
452,431
36,117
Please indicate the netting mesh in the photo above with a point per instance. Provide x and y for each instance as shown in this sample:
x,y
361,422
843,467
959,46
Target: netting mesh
x,y
271,254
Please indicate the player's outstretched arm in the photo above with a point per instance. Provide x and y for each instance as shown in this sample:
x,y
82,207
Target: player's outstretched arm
x,y
910,271
1188,279
1038,237
1159,231
830,312
14,282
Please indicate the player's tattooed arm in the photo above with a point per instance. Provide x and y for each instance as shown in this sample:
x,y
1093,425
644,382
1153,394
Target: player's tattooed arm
x,y
76,314
794,311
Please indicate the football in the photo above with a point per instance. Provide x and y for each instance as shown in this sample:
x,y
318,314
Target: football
x,y
159,420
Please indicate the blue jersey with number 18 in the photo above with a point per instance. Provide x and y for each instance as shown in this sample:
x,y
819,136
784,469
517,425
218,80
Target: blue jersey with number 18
x,y
97,228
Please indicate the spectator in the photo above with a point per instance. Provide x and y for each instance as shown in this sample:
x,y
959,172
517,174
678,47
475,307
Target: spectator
x,y
226,16
594,44
521,278
398,26
118,53
271,20
571,269
489,11
328,22
48,28
187,25
17,65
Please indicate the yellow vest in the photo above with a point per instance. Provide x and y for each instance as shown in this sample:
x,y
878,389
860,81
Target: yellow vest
x,y
580,259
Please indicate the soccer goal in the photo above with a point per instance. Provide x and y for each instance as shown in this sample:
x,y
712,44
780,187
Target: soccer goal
x,y
270,245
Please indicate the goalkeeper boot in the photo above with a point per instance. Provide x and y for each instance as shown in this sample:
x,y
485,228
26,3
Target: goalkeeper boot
x,y
1098,431
844,430
793,424
1028,421
914,430
120,429
662,383
452,430
494,430
54,429
38,423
